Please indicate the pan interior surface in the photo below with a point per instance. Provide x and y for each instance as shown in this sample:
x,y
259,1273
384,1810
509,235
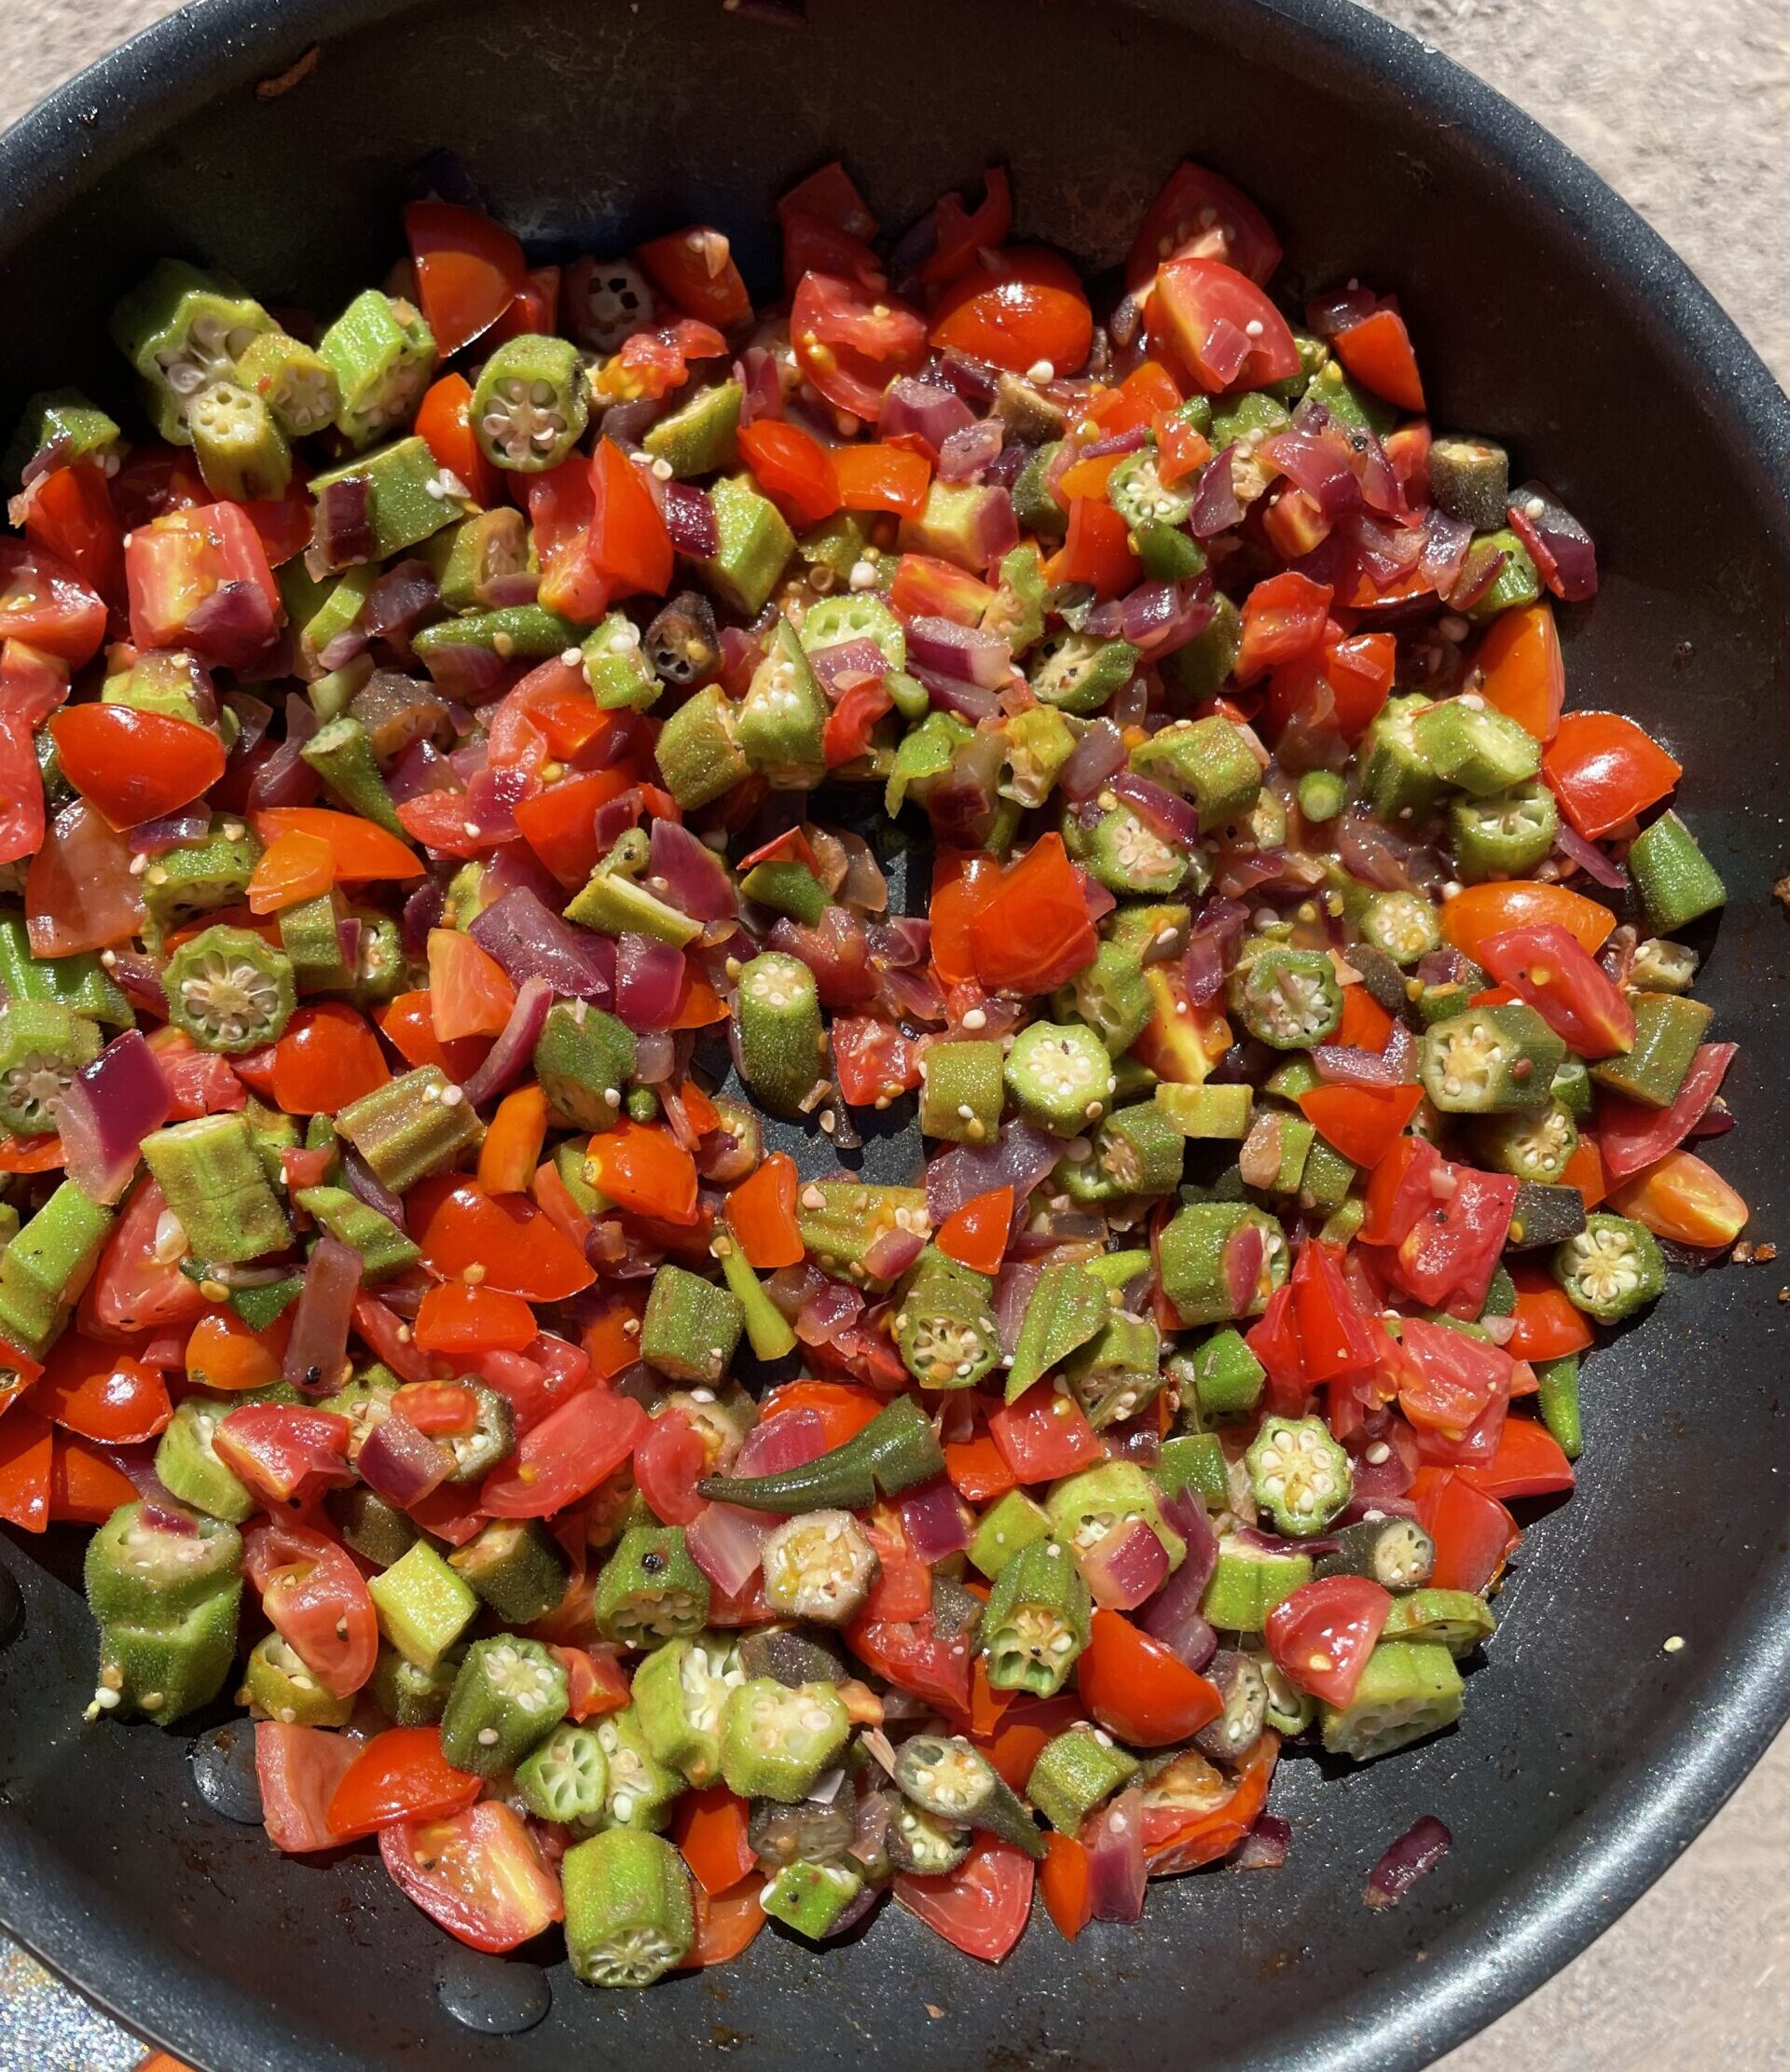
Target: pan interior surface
x,y
1549,318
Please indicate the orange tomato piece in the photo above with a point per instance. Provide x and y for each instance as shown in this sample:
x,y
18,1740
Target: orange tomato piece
x,y
470,993
643,1168
455,1319
761,1214
294,867
1522,674
362,851
1683,1198
512,1147
327,1057
1482,910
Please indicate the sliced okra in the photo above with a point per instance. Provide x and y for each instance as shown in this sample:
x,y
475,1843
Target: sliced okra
x,y
1668,1031
1298,1474
59,428
410,1127
683,641
776,1743
1456,1619
1060,1076
181,328
1076,1773
649,1589
1248,1582
755,547
947,1328
1204,1255
42,1047
954,1781
242,454
229,990
1288,999
1474,747
1125,852
818,1564
566,1778
1118,1374
531,403
165,1672
1079,672
410,1696
628,1913
1677,882
1505,835
276,1685
1612,1268
1101,1504
1039,1619
381,352
1396,1553
641,1789
216,1185
1469,479
1490,1060
188,1467
618,667
582,1059
423,1605
342,755
783,717
1532,1143
1408,1690
508,1696
690,1328
1068,1307
777,1011
961,1090
1244,1690
152,1564
817,1899
698,752
1208,761
680,1694
700,437
516,1568
922,1843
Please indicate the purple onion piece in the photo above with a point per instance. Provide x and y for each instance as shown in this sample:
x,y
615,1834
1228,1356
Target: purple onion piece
x,y
690,520
1265,1847
1417,1851
1216,507
1175,819
1020,1157
687,872
317,1346
365,1185
941,647
508,1057
155,837
649,982
399,599
1560,547
110,1105
400,1464
967,452
532,942
1590,858
284,778
1095,757
923,409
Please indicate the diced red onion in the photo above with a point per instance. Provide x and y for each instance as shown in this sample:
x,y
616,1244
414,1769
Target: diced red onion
x,y
1265,1847
523,934
825,1311
1014,1287
903,940
974,380
911,996
344,528
110,1107
1131,440
284,778
727,1543
936,1520
1590,858
943,648
656,1053
1377,856
790,1439
1316,463
511,586
421,912
1417,1851
967,452
508,1058
232,626
317,1346
922,411
1137,1439
1446,541
891,1253
1157,619
401,1464
399,599
1172,817
1019,1157
861,657
155,837
1216,506
1386,1458
687,872
1093,759
690,520
1127,1568
1560,547
365,1185
422,767
954,693
1243,1251
649,982
1478,577
139,978
863,885
1117,1872
463,670
1345,1065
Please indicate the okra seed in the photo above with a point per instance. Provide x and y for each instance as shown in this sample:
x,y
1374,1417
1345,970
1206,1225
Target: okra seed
x,y
106,1699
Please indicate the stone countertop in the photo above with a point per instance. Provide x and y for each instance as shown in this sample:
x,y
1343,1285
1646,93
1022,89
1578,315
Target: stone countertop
x,y
1685,108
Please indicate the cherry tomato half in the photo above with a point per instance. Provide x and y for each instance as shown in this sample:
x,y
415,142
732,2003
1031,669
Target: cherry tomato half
x,y
477,1874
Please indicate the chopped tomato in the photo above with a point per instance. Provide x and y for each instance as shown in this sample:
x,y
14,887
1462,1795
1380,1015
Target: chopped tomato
x,y
643,1168
512,1247
1284,618
102,1393
1069,1890
1546,966
1362,1122
1200,214
761,1214
177,566
927,587
455,1319
133,765
793,469
1217,324
1014,308
298,1769
1322,1634
45,604
709,1829
1685,1199
80,892
27,1459
68,514
1097,549
1043,1435
512,1147
291,869
874,1061
477,1874
469,271
1546,1324
595,1682
851,341
408,1026
1377,351
1528,1463
1139,1690
628,545
1178,1839
133,1290
1448,1380
695,269
910,1654
976,1235
881,477
1522,673
315,1598
1632,1136
284,1453
327,1057
560,505
565,1455
362,851
85,1489
842,1409
980,1908
470,994
670,1459
1033,933
725,1923
1483,910
1474,1534
444,425
400,1775
1605,769
958,235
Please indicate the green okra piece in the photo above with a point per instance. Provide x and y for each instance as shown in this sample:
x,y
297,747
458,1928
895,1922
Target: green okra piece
x,y
769,1330
1475,748
1662,967
616,903
1068,1307
1118,1374
952,524
1166,555
1456,1619
188,1468
243,453
59,428
1079,672
1490,1059
229,990
1403,925
1469,479
649,1589
1221,1111
1530,1143
1035,504
1016,616
336,608
1278,1145
165,1672
853,615
698,752
950,1778
1201,1246
180,328
81,984
1677,882
45,1266
700,437
923,758
946,1328
616,666
276,1685
1322,795
1208,761
508,1695
1076,1774
1012,1522
1195,1460
1559,1403
512,632
1408,1690
787,887
1516,582
489,1440
1248,1582
1228,1379
423,1605
1060,1076
1038,742
381,352
813,1898
641,1790
1135,489
1612,1268
1140,1149
690,1328
755,547
411,1125
1396,782
582,1059
1325,1178
781,1038
962,1090
342,755
1288,999
1394,1552
531,403
1200,670
776,1743
783,717
1086,1510
259,1306
895,1451
679,1696
42,1047
384,1249
1667,1029
410,1696
1110,994
467,558
516,1568
295,383
409,498
840,1221
1039,1618
311,935
197,878
1289,1710
370,1526
628,1913
151,1566
1125,854
566,1778
1503,836
215,1183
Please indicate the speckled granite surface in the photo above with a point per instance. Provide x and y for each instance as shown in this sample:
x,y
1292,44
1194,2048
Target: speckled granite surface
x,y
1684,105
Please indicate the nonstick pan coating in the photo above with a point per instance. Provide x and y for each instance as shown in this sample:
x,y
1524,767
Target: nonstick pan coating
x,y
1550,317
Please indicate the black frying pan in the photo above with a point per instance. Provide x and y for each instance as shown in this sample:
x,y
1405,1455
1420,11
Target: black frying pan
x,y
1549,316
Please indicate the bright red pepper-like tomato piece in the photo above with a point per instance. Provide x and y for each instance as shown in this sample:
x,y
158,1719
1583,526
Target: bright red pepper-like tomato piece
x,y
1139,1690
477,1874
1322,1634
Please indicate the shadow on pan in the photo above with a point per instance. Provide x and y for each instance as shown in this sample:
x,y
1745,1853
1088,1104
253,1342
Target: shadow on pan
x,y
1550,318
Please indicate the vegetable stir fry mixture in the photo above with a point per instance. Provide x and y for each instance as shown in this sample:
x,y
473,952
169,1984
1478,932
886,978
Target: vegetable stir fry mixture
x,y
436,752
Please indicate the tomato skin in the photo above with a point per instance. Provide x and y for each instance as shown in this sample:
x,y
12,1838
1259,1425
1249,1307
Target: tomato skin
x,y
909,1654
327,1057
400,1775
1474,1534
1685,1199
316,1599
1322,1634
982,1907
85,1489
27,1468
959,234
627,546
44,603
455,1319
476,1873
291,869
875,1060
1528,1462
669,1458
132,766
101,1393
850,353
444,423
761,1214
79,892
469,271
565,1455
457,1226
361,850
1096,549
1033,932
1198,318
1571,992
1546,1324
131,1291
1139,1690
1632,1136
408,1026
1446,1379
69,515
287,1456
1182,1841
1043,1435
1522,673
880,477
694,268
468,992
793,469
1199,214
176,564
725,1923
1377,351
298,1769
1063,1878
1452,1250
976,1235
1483,910
1362,1122
1014,308
1283,621
644,1170
1605,769
709,1829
